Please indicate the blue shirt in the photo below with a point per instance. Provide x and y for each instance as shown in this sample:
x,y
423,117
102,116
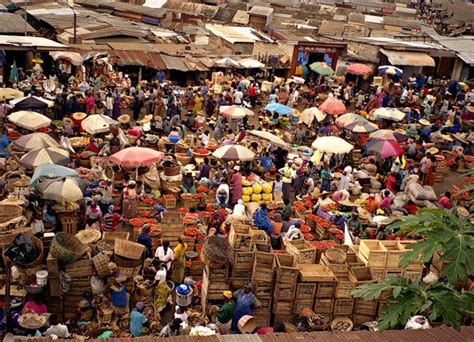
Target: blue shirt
x,y
267,162
137,319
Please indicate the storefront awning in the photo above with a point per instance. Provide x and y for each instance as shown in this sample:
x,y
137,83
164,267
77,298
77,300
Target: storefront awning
x,y
396,57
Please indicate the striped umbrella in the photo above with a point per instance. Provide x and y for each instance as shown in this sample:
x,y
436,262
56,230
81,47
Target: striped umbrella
x,y
347,119
49,155
362,126
383,134
235,112
333,106
234,152
390,70
384,148
358,69
322,68
29,120
34,141
392,114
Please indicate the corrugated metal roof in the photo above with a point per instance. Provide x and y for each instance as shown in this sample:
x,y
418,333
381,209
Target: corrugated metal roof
x,y
467,57
261,10
225,14
13,23
35,42
175,63
397,57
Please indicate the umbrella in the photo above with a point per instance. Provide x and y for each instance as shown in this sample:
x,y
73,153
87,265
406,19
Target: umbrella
x,y
389,113
14,78
51,171
29,120
136,157
250,63
322,68
333,106
74,57
97,123
234,152
332,145
383,134
384,148
362,126
49,155
279,108
272,138
348,118
390,70
10,93
308,115
228,62
31,102
34,141
358,69
235,112
63,189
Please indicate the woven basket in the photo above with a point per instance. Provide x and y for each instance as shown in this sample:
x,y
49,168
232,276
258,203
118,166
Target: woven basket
x,y
172,171
184,160
342,320
115,235
127,263
101,264
336,255
39,259
104,315
88,236
8,236
9,212
67,248
128,272
105,246
34,289
128,249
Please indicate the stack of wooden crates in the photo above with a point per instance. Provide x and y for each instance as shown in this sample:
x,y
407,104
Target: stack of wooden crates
x,y
242,257
80,272
172,227
286,277
262,281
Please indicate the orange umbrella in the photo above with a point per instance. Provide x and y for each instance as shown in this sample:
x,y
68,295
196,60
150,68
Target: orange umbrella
x,y
136,157
358,69
333,106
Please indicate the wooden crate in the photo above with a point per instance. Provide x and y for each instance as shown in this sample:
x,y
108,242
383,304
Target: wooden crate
x,y
378,273
395,252
303,251
263,266
236,283
80,268
242,260
241,274
343,306
439,264
344,288
279,318
407,245
301,304
286,269
365,307
282,307
326,289
359,319
217,274
305,290
212,290
414,273
259,237
323,306
374,252
52,265
284,291
361,275
315,273
397,272
266,303
115,235
339,270
263,289
262,247
240,238
262,316
69,223
170,217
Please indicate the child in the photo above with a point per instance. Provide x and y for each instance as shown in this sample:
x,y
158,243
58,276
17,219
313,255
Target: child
x,y
278,189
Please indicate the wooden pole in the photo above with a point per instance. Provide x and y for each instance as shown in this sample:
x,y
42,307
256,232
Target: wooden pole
x,y
8,316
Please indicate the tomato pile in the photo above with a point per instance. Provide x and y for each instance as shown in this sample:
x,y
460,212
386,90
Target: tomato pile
x,y
324,244
337,233
191,231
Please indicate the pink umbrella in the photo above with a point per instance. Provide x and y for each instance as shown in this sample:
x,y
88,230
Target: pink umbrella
x,y
136,157
359,69
384,148
333,106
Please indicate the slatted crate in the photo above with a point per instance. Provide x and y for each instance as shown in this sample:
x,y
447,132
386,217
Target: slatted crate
x,y
339,270
286,268
365,307
378,273
306,290
263,267
395,252
359,319
373,253
344,288
326,289
397,272
414,273
343,306
262,316
303,251
284,291
263,289
323,305
300,304
241,274
361,275
242,260
282,307
239,237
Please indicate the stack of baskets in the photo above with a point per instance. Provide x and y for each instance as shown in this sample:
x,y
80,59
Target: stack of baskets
x,y
9,212
67,248
128,257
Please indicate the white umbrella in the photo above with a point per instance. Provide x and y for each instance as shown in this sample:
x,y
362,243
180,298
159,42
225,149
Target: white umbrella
x,y
97,123
308,115
332,145
392,114
74,57
63,190
272,138
234,152
250,63
29,120
235,112
229,62
49,155
35,140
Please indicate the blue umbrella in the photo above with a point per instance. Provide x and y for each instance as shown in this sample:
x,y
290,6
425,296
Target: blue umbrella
x,y
14,78
279,108
390,70
51,171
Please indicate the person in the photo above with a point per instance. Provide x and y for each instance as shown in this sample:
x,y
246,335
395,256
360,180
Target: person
x,y
179,260
218,216
445,201
236,185
354,224
387,199
287,211
145,240
171,329
93,214
36,304
245,300
224,316
391,182
223,194
130,201
205,169
137,320
262,220
90,104
164,254
188,183
293,233
161,293
198,101
425,165
239,211
180,312
325,178
288,174
238,97
430,176
277,189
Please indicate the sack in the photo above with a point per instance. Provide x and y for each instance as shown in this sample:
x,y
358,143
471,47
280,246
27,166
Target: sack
x,y
416,191
23,250
430,194
97,285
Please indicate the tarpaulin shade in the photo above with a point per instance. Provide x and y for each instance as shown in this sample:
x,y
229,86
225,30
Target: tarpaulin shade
x,y
408,58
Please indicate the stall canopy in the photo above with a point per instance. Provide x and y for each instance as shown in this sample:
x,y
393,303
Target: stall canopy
x,y
411,58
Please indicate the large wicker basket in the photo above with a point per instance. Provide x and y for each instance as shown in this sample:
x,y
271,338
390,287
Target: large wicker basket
x,y
128,249
101,264
127,263
172,171
67,248
39,259
9,212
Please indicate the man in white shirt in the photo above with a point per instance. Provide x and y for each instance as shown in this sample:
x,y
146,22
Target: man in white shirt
x,y
164,254
238,97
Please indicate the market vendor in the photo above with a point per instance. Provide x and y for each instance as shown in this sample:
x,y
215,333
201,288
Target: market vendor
x,y
119,296
4,143
145,240
245,301
262,220
110,220
137,320
164,254
224,316
36,304
179,260
93,214
92,147
188,182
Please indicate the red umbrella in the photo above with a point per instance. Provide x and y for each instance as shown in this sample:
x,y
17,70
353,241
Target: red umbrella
x,y
136,157
384,148
333,106
358,69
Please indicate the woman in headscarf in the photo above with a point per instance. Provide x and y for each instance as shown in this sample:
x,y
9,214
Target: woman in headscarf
x,y
93,214
246,299
130,201
110,220
236,185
